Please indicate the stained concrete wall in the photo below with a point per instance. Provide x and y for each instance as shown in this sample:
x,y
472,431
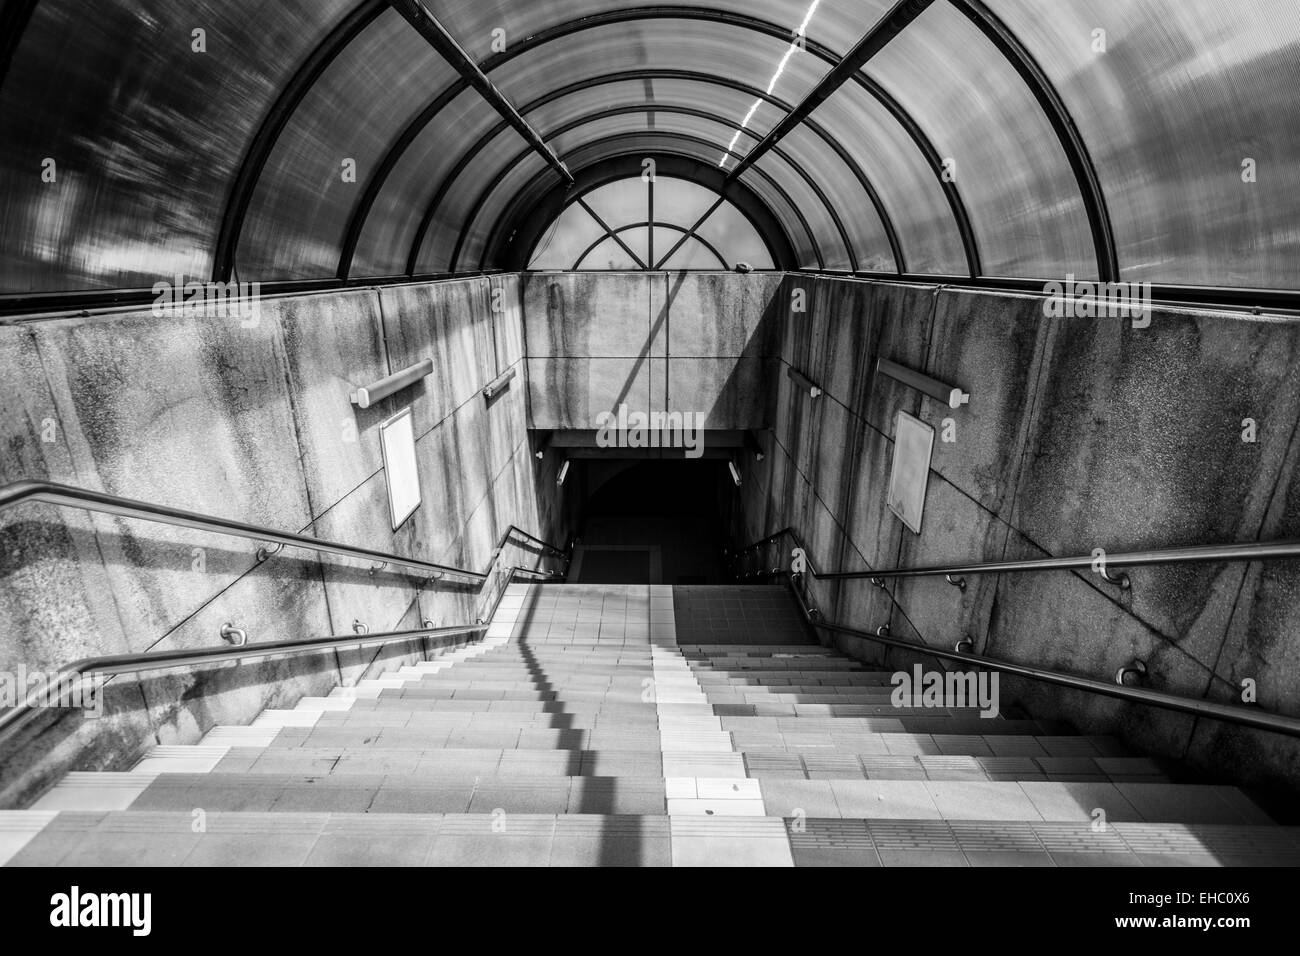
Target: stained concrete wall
x,y
1080,433
251,422
667,341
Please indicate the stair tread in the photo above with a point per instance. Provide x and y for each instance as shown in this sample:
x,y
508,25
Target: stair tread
x,y
286,839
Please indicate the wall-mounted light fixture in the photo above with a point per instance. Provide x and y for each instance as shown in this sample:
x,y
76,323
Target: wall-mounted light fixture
x,y
735,473
365,397
564,473
803,381
953,397
499,383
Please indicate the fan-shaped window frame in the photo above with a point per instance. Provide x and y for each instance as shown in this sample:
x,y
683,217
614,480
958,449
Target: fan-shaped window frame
x,y
579,212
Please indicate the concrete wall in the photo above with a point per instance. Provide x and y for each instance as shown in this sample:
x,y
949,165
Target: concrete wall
x,y
667,341
1080,433
251,423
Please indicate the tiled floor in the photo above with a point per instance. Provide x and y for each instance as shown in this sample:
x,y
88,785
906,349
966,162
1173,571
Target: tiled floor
x,y
736,615
641,725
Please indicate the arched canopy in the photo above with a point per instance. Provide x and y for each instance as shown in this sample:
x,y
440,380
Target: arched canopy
x,y
327,141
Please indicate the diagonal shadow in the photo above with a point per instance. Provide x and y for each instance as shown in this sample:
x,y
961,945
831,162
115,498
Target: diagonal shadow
x,y
659,323
622,835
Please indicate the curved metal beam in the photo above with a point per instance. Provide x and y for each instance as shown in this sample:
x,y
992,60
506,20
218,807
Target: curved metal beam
x,y
605,237
886,28
264,141
652,12
445,45
689,234
413,129
1076,151
672,226
517,232
666,137
684,110
646,225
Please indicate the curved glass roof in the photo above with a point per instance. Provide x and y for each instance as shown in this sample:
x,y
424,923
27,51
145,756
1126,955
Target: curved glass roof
x,y
320,141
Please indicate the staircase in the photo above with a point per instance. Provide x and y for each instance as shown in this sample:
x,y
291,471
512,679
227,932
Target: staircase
x,y
635,725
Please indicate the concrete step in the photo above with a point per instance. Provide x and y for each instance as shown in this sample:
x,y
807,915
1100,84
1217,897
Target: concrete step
x,y
621,736
844,705
451,785
408,793
862,736
821,740
314,761
653,758
740,666
402,793
1008,756
1011,800
406,839
549,687
802,694
350,839
665,702
803,765
795,678
465,791
859,842
685,701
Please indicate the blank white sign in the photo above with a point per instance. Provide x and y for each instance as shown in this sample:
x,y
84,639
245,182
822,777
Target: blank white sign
x,y
397,439
910,475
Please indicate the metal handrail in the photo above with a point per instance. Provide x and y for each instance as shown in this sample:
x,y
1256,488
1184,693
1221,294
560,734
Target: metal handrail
x,y
19,716
787,532
1232,713
1247,716
68,496
546,546
51,493
14,719
1208,553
